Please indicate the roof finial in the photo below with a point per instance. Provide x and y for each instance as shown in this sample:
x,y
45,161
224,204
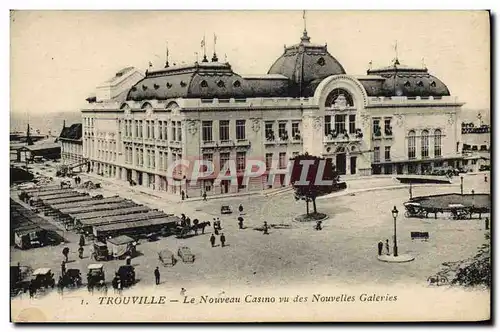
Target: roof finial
x,y
166,58
423,63
203,45
370,64
396,60
305,37
214,58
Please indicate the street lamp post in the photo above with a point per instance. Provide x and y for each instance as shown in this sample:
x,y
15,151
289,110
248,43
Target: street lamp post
x,y
395,216
461,185
411,191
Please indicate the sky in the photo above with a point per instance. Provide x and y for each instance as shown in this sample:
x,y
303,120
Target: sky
x,y
59,57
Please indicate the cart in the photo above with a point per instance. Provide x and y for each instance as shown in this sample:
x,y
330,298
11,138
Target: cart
x,y
72,278
415,210
185,254
95,276
167,258
101,252
43,278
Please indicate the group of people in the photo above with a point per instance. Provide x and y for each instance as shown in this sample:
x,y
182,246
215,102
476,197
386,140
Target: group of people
x,y
381,247
78,180
222,240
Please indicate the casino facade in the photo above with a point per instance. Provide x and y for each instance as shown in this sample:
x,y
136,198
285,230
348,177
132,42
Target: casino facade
x,y
393,120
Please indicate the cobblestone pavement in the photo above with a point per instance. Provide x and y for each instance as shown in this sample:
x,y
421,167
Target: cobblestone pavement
x,y
345,251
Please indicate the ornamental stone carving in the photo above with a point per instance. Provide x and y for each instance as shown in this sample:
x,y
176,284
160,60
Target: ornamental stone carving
x,y
317,123
365,119
192,127
451,119
399,119
256,125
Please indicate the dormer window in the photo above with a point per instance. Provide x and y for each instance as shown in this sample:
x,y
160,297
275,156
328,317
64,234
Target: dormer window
x,y
221,84
134,88
321,61
433,84
204,84
169,85
183,84
156,86
236,84
144,87
420,83
407,84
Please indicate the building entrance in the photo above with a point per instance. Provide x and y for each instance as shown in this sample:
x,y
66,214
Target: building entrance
x,y
340,163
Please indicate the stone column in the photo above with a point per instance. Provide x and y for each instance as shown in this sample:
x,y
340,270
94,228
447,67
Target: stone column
x,y
347,163
145,179
157,182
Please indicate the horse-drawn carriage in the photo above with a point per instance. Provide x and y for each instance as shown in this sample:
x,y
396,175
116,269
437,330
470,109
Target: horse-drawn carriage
x,y
167,258
71,278
95,275
415,210
186,255
43,278
459,212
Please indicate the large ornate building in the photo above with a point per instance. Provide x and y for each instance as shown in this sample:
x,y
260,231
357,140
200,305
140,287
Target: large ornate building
x,y
393,120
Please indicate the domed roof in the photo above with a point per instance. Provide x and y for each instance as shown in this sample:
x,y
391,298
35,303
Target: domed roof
x,y
305,62
401,80
203,80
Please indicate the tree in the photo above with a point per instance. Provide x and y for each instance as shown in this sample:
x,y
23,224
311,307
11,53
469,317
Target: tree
x,y
315,184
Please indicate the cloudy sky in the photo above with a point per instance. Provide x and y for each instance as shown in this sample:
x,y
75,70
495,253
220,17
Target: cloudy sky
x,y
58,57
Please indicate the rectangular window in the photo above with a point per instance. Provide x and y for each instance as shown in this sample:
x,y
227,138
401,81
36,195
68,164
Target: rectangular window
x,y
295,130
153,159
224,130
377,131
340,123
328,124
240,161
282,160
437,143
174,130
282,132
179,131
352,123
160,130
224,157
153,125
387,153
387,127
269,160
240,129
425,144
136,128
141,129
269,131
411,146
165,130
147,130
206,128
376,154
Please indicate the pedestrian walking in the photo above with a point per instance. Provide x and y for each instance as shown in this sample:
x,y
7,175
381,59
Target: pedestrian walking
x,y
222,239
487,223
128,260
63,268
212,240
204,195
266,228
387,252
32,290
318,225
240,208
65,253
240,222
80,252
216,227
82,241
380,248
183,195
157,276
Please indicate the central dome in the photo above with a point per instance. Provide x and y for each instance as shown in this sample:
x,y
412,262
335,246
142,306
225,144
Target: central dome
x,y
304,63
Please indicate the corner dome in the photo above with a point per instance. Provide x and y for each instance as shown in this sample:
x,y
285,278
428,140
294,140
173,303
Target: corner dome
x,y
306,62
401,80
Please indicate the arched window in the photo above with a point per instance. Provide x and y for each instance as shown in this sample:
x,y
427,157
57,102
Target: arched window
x,y
424,140
236,84
420,83
437,143
339,98
411,145
407,84
204,84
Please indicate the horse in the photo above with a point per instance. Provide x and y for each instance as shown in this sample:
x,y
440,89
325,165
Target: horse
x,y
201,226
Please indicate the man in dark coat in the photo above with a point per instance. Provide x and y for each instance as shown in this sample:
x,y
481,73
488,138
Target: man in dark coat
x,y
240,208
387,251
157,276
80,252
266,228
204,195
212,240
222,239
380,247
65,253
82,241
63,268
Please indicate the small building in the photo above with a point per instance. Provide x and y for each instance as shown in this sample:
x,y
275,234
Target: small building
x,y
71,144
31,153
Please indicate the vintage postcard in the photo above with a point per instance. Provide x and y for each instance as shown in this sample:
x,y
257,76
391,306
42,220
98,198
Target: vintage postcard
x,y
250,166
